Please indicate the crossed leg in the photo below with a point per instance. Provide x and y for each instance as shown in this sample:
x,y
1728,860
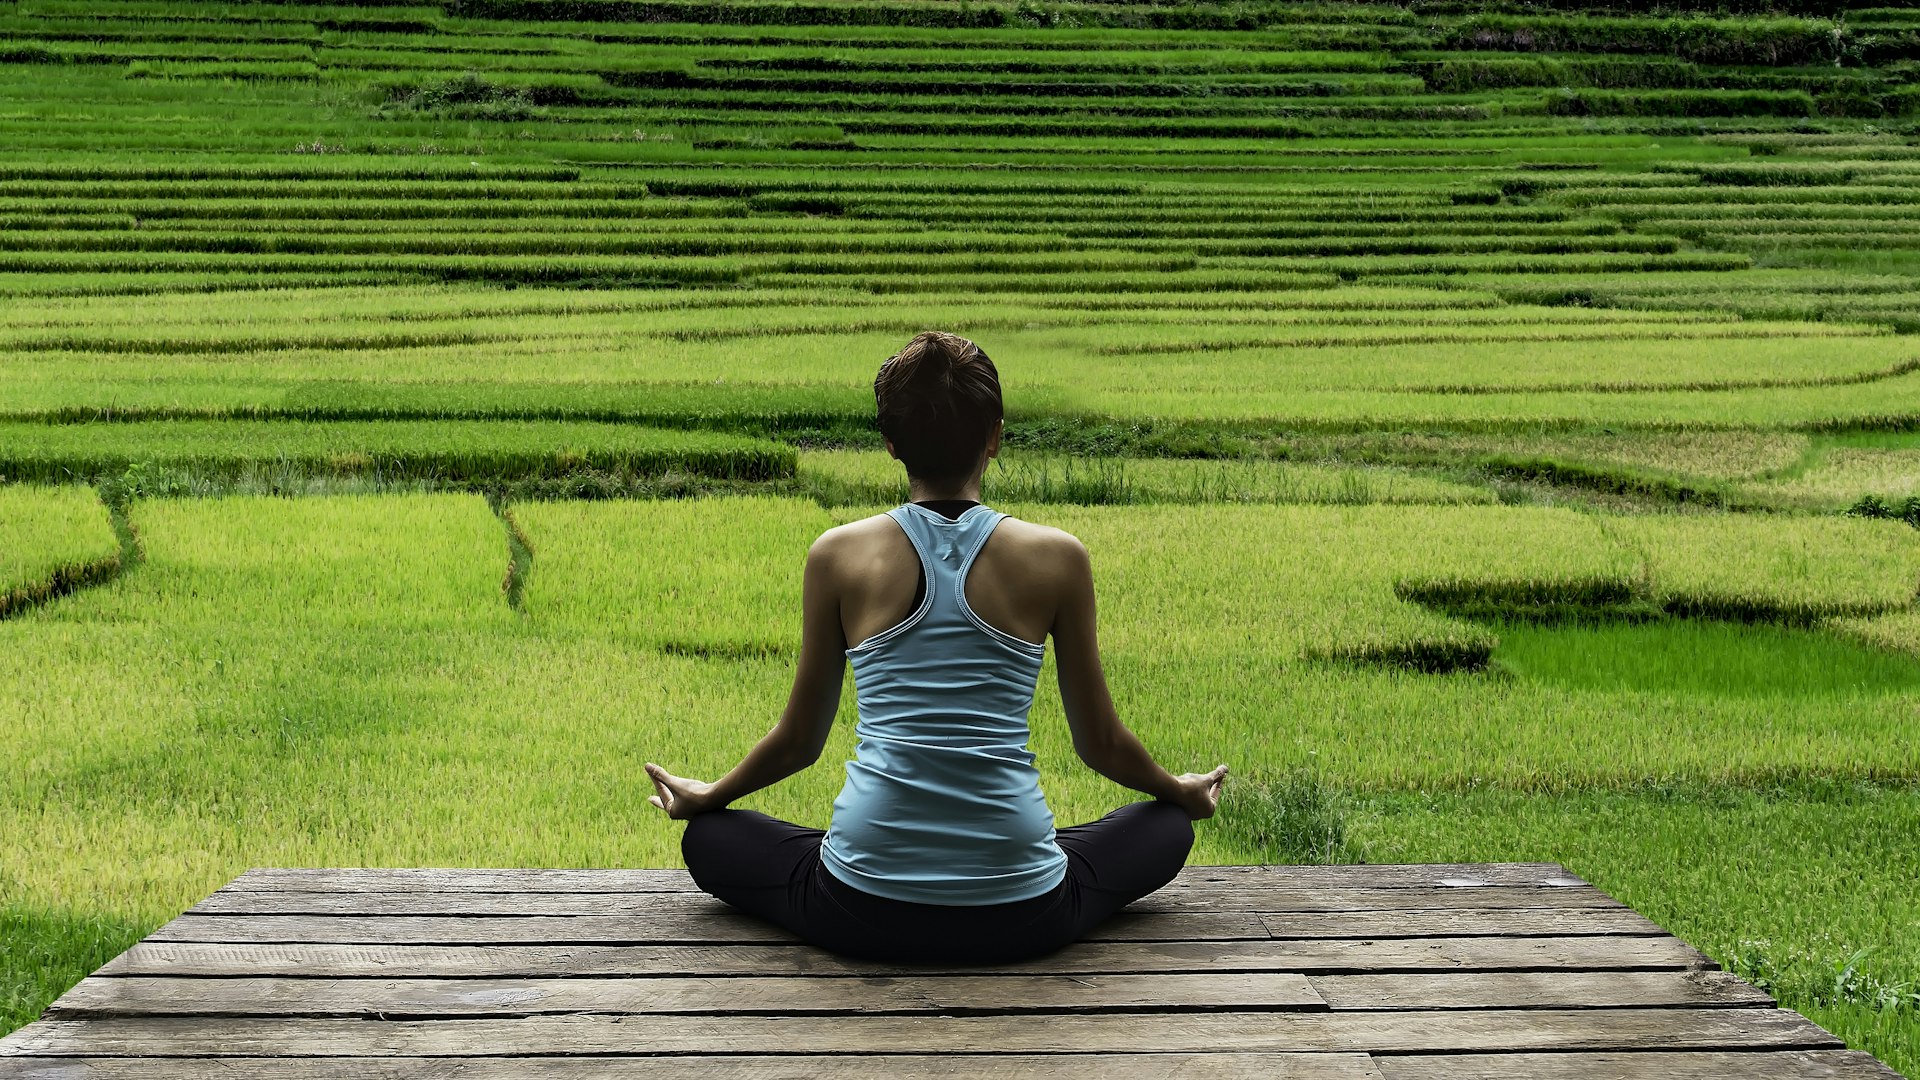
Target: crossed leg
x,y
771,868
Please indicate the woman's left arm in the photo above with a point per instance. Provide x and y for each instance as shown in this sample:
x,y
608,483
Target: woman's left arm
x,y
796,740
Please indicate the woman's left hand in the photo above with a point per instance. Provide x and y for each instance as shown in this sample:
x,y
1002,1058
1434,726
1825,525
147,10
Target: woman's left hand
x,y
680,797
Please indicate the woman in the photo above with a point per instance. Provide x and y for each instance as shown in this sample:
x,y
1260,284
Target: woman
x,y
941,848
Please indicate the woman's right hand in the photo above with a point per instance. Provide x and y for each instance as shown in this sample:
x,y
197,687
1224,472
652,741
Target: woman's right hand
x,y
1200,792
679,796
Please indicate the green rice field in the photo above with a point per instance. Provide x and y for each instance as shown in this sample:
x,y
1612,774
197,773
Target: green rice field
x,y
1496,429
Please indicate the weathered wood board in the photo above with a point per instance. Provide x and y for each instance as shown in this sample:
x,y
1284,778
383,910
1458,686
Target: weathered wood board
x,y
1453,972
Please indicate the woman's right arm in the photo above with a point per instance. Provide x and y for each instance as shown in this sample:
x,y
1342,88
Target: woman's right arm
x,y
1108,746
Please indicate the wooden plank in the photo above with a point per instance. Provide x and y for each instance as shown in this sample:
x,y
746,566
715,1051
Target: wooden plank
x,y
1403,875
1450,1031
460,879
726,926
457,903
426,998
1688,1065
441,879
1547,989
1403,954
719,927
1130,925
1394,898
1278,1066
1507,922
403,902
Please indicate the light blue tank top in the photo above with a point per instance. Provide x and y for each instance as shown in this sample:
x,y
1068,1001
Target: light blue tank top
x,y
942,804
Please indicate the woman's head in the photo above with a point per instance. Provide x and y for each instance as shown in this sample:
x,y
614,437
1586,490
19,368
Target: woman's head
x,y
939,401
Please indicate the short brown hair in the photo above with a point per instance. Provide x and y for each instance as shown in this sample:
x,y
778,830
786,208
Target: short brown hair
x,y
939,398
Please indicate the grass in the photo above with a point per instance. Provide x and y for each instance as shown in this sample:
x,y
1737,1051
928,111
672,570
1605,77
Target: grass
x,y
1716,565
173,457
760,362
1898,631
52,541
1183,637
741,571
1291,818
1840,470
1693,658
1709,457
341,681
42,949
865,478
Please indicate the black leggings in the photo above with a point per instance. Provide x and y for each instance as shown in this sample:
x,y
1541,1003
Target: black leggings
x,y
772,869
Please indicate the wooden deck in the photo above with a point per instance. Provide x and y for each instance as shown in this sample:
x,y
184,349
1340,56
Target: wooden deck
x,y
1230,973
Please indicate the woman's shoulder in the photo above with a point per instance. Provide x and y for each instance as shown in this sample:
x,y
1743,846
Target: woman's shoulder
x,y
859,539
874,524
1038,532
1038,541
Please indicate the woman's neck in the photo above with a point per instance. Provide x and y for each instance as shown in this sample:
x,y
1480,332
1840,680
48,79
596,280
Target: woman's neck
x,y
919,490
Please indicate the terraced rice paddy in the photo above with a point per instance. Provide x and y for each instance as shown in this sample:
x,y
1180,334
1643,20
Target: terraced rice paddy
x,y
412,417
52,540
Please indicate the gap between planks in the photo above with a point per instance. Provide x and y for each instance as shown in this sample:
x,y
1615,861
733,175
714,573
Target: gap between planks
x,y
1204,899
733,927
1383,956
444,879
1398,1032
1008,994
1257,1066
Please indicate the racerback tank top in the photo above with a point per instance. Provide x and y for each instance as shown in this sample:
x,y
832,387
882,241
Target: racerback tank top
x,y
942,804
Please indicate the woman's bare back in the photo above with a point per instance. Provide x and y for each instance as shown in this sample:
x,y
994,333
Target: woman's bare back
x,y
1015,584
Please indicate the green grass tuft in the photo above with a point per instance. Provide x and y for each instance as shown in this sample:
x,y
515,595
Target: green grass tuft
x,y
1291,817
